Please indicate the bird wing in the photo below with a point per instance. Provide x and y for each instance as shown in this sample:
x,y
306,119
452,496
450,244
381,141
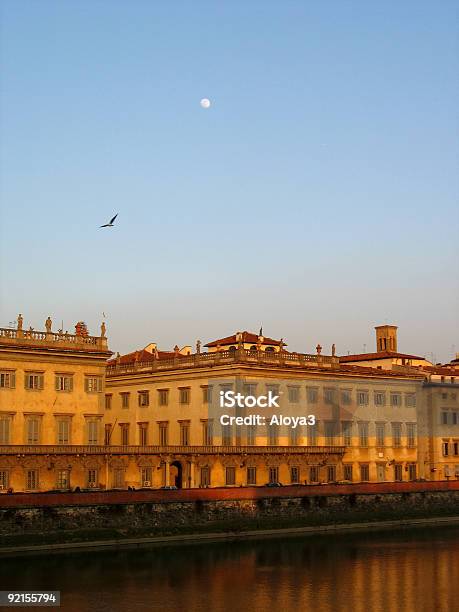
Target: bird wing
x,y
111,220
106,225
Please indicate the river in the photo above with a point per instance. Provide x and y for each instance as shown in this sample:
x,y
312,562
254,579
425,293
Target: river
x,y
411,571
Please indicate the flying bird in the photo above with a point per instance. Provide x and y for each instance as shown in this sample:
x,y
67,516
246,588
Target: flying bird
x,y
111,222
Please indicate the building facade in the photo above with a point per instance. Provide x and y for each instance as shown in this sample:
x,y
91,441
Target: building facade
x,y
70,418
51,396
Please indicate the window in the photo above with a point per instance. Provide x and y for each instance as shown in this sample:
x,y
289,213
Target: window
x,y
63,479
312,434
108,402
455,448
125,400
144,398
251,435
230,476
164,434
146,476
93,428
294,395
396,435
93,478
294,474
185,433
273,388
444,418
398,472
410,400
33,430
346,427
163,397
329,396
395,399
273,474
314,473
346,397
143,434
411,435
380,398
124,434
412,471
444,395
364,472
331,473
93,384
330,432
206,395
32,483
454,415
362,398
184,395
273,435
63,431
250,389
251,475
4,480
7,380
294,435
118,478
227,438
107,434
4,430
64,382
363,434
380,434
34,381
238,435
348,472
207,433
313,395
445,449
205,476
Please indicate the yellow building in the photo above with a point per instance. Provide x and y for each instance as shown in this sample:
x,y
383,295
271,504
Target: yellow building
x,y
154,418
51,396
365,430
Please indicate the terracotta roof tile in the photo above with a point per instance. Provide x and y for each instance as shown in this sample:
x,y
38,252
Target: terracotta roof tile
x,y
375,356
247,337
143,356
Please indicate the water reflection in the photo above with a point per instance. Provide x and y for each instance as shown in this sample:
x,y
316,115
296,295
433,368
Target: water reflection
x,y
411,571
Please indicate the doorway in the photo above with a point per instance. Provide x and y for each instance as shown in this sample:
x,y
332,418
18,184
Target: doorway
x,y
175,474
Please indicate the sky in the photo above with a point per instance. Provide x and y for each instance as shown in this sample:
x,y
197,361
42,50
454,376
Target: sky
x,y
317,196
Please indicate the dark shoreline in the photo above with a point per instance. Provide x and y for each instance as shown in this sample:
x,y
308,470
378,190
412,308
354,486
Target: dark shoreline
x,y
228,536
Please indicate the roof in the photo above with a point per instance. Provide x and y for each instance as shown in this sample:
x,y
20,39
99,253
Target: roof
x,y
378,355
143,356
377,372
247,337
442,370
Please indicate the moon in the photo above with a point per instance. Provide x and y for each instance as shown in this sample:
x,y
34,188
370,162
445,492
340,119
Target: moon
x,y
205,103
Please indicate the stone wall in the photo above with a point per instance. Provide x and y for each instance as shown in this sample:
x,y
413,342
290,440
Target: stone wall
x,y
28,524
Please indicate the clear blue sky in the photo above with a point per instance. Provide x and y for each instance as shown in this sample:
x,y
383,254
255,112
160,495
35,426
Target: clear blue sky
x,y
318,195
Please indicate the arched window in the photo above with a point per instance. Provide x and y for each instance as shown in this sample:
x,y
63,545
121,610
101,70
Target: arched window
x,y
253,348
269,349
232,349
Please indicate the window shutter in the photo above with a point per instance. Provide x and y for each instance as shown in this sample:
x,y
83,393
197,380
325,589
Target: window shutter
x,y
13,380
41,380
56,383
86,384
71,383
